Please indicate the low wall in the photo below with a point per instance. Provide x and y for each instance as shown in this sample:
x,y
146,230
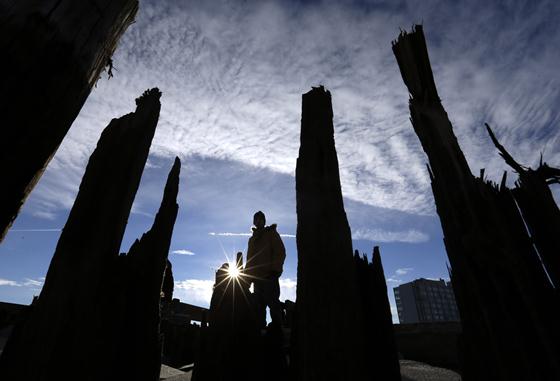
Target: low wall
x,y
432,343
9,313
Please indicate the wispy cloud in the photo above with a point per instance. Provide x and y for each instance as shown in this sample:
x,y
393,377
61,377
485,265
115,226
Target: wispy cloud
x,y
228,234
183,252
395,278
403,271
33,282
440,278
288,288
199,291
380,235
7,282
26,282
194,291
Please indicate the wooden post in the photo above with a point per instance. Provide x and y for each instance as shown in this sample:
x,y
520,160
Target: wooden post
x,y
93,296
328,333
539,210
53,52
507,305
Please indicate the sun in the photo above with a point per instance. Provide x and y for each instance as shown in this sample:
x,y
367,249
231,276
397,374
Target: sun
x,y
233,270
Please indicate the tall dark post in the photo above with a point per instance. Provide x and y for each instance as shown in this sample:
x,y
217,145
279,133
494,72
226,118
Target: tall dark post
x,y
377,315
139,355
168,283
239,260
74,323
327,337
506,302
53,52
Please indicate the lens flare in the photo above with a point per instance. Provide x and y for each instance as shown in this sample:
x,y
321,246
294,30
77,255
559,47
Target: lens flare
x,y
233,270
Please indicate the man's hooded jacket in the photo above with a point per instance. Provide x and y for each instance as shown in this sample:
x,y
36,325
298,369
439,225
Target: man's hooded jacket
x,y
265,254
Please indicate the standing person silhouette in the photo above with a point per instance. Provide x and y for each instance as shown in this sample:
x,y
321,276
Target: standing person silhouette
x,y
265,260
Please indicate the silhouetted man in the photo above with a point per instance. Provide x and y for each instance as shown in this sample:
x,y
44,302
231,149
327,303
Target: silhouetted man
x,y
265,259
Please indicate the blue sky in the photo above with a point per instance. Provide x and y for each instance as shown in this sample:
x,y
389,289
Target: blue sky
x,y
232,74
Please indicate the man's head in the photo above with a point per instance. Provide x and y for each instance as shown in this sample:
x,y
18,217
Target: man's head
x,y
259,220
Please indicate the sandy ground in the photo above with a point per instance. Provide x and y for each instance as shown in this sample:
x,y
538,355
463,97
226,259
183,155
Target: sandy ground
x,y
171,374
417,371
410,371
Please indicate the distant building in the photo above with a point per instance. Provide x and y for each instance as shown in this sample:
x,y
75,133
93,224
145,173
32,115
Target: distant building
x,y
425,300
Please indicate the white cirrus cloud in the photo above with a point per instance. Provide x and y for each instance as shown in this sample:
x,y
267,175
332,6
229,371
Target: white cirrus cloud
x,y
183,252
381,235
7,282
287,235
26,282
393,280
194,291
228,234
199,291
288,288
438,279
403,271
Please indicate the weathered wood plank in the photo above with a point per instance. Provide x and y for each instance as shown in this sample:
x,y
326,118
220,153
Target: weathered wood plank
x,y
53,52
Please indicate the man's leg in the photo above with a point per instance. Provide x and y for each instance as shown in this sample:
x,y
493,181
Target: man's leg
x,y
272,295
259,292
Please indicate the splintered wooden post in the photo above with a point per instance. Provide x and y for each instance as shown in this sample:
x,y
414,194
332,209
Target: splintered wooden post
x,y
53,52
540,211
139,342
328,341
78,318
503,293
378,330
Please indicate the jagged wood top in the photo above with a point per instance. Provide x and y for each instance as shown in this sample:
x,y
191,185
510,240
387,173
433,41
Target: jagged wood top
x,y
549,174
414,63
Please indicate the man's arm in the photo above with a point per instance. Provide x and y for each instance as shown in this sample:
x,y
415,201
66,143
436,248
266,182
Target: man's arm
x,y
279,253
